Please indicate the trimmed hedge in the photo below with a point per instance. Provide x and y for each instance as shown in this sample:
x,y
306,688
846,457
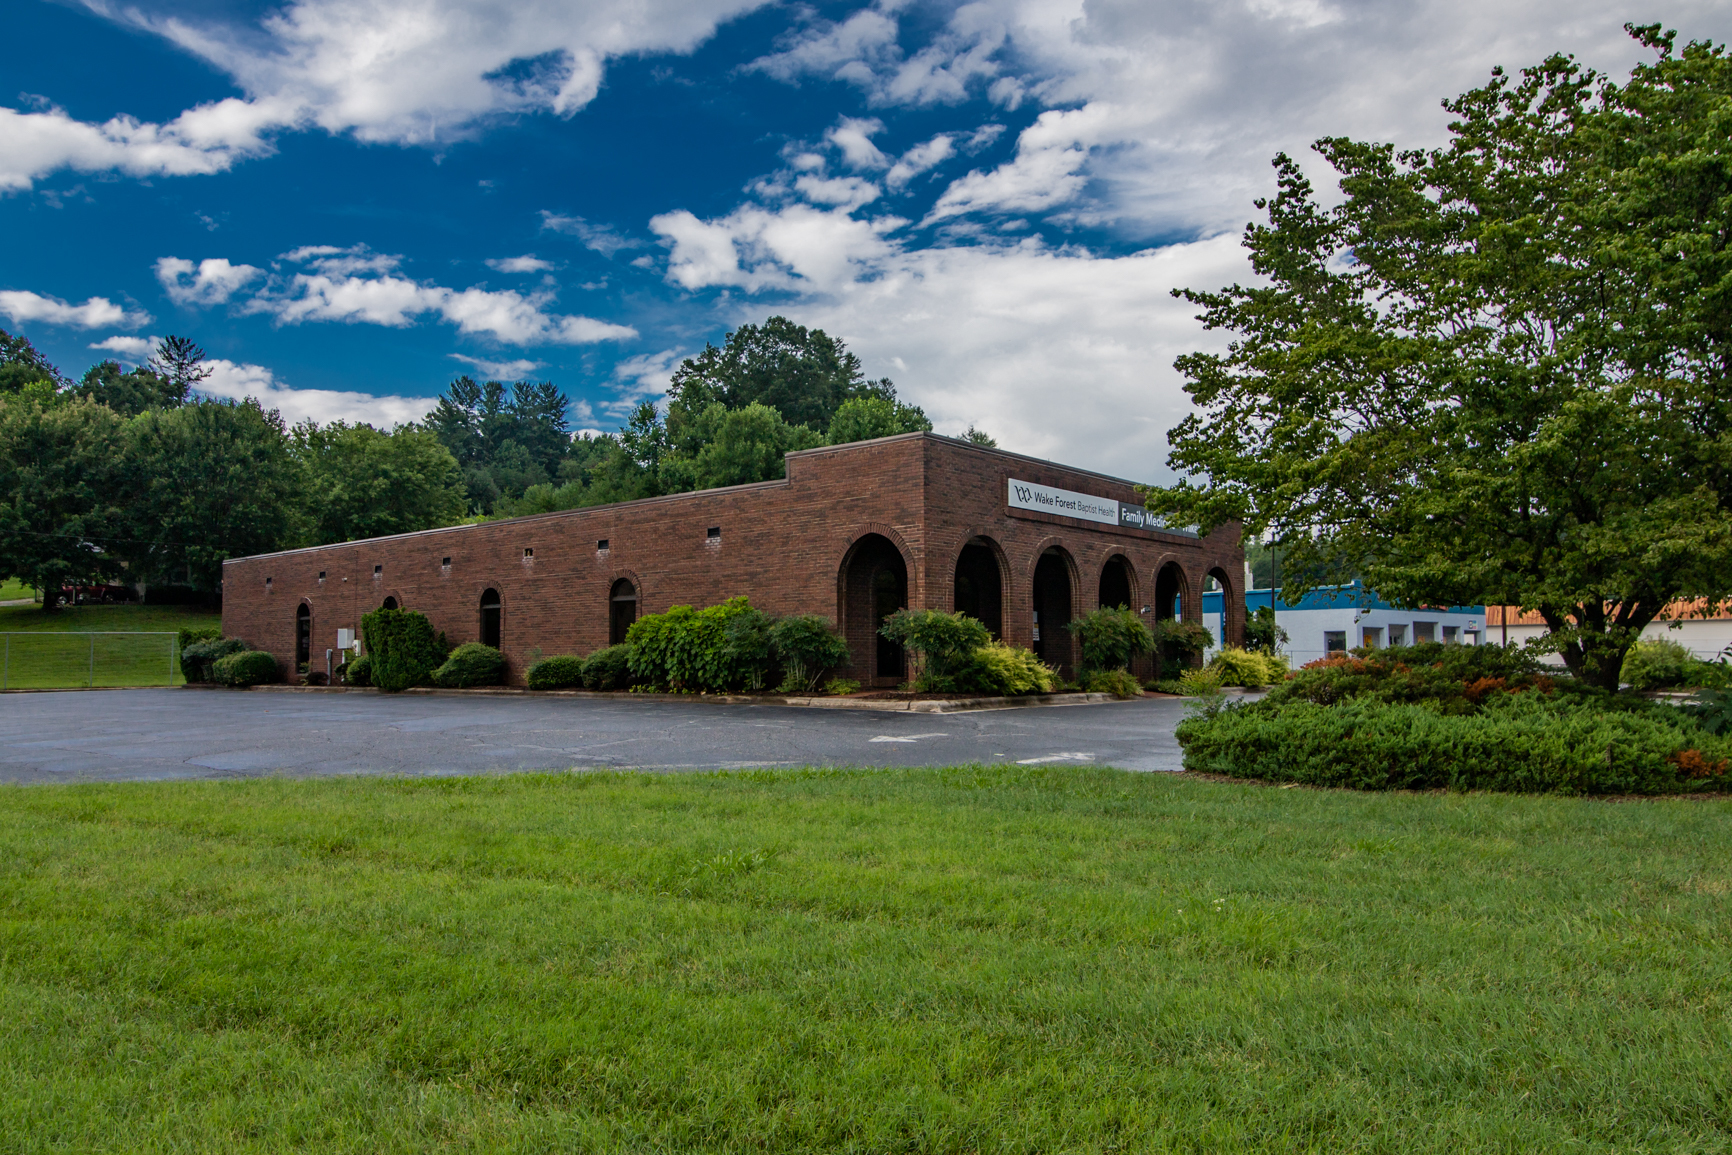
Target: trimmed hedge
x,y
471,664
357,671
722,647
1250,668
197,659
560,672
403,647
1118,683
190,635
1530,742
1010,671
248,668
608,669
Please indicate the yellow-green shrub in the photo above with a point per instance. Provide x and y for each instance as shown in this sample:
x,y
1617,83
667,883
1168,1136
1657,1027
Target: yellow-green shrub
x,y
1238,667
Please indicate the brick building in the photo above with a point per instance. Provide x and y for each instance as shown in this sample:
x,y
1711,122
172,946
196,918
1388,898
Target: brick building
x,y
853,532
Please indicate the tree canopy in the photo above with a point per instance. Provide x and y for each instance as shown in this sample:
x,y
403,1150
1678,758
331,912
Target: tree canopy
x,y
1498,371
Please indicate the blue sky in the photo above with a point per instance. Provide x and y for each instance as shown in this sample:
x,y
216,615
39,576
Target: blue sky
x,y
348,202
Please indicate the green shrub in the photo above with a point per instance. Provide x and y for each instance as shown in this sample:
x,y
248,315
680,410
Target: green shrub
x,y
247,668
1178,642
1110,637
688,650
1261,632
807,646
1662,664
1118,683
471,664
1010,671
196,660
1456,679
608,669
357,671
750,651
556,673
1528,742
1238,667
943,647
189,635
1199,683
403,647
841,687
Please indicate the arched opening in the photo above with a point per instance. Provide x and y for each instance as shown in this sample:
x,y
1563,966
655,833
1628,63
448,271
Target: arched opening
x,y
303,635
1170,592
1232,623
1052,610
621,610
389,604
1116,589
980,585
874,586
490,618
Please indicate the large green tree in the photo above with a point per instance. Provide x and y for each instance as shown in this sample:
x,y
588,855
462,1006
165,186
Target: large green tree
x,y
207,481
24,369
361,482
62,487
505,438
1498,371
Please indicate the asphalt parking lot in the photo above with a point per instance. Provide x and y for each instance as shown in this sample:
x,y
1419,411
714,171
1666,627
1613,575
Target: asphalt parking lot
x,y
164,734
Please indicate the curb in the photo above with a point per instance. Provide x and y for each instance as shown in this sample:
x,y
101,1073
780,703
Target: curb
x,y
935,706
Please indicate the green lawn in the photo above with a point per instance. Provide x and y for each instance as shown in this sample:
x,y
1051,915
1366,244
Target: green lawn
x,y
973,959
12,590
131,646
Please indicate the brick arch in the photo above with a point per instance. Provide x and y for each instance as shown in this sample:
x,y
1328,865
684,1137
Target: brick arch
x,y
614,578
471,618
872,659
1055,642
866,529
1006,576
1232,606
388,592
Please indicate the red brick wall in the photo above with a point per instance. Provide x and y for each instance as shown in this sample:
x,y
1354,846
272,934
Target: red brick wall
x,y
782,543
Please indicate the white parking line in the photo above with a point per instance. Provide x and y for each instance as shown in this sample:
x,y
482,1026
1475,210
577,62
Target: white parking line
x,y
908,737
1055,758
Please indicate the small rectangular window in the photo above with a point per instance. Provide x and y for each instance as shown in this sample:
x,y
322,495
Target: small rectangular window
x,y
1373,637
528,551
1398,635
377,570
444,561
1424,632
1451,635
267,583
715,533
1334,641
321,575
601,543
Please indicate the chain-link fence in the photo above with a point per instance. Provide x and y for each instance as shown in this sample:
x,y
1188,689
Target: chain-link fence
x,y
56,660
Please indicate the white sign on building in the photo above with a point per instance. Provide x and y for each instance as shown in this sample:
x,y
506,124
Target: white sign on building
x,y
1085,507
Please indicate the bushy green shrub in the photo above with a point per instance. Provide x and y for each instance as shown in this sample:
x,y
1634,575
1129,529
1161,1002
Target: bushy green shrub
x,y
1262,633
608,669
247,668
190,635
1110,637
1530,742
1456,679
357,671
1199,683
807,647
1237,667
196,660
1009,671
471,664
1118,683
1178,642
841,687
942,645
556,673
1662,664
403,647
750,651
694,650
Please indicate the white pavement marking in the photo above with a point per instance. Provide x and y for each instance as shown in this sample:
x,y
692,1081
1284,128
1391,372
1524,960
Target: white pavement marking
x,y
908,737
1055,758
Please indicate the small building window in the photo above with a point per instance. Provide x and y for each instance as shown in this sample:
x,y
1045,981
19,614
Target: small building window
x,y
321,575
715,533
601,544
1334,641
445,562
303,635
1452,635
1372,637
390,604
267,583
377,570
1398,635
528,551
1424,632
490,618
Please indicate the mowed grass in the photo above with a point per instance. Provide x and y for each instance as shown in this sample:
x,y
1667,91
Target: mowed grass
x,y
12,590
975,959
48,658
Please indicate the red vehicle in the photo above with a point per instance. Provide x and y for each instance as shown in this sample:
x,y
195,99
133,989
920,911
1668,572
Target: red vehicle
x,y
95,595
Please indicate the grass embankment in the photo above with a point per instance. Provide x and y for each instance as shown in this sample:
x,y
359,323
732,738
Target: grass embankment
x,y
51,662
974,959
12,590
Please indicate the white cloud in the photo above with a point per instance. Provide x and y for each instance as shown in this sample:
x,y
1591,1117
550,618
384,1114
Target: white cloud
x,y
604,239
1050,156
646,377
96,313
523,264
237,382
920,158
357,286
864,50
133,348
211,282
793,247
854,137
203,140
499,370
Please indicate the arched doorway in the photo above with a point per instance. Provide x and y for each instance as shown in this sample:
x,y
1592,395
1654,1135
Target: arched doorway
x,y
1116,587
1052,609
621,610
979,589
490,618
874,586
303,635
1170,589
1232,608
389,604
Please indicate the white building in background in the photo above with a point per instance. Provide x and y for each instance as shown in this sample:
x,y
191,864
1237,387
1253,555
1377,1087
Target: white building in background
x,y
1706,637
1338,618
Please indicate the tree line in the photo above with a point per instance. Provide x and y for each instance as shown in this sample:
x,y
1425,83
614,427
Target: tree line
x,y
132,475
